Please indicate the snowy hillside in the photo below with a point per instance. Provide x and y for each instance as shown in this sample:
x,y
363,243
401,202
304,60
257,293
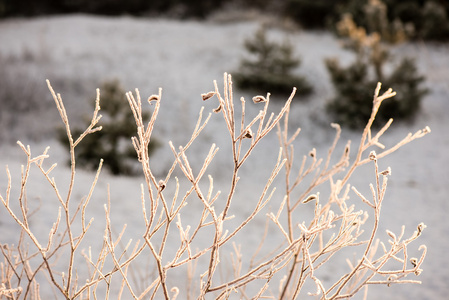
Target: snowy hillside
x,y
76,53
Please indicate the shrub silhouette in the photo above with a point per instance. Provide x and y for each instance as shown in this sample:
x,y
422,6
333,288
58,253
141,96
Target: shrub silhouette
x,y
435,21
417,19
113,142
311,14
271,70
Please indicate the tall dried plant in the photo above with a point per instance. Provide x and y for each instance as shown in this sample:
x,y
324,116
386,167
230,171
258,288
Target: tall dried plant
x,y
32,264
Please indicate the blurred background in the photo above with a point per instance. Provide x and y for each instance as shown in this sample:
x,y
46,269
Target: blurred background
x,y
334,51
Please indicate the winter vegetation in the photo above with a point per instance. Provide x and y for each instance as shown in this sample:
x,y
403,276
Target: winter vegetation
x,y
169,245
353,82
235,188
270,67
110,144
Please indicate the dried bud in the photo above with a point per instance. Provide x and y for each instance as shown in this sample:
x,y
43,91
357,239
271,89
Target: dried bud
x,y
153,98
391,278
347,150
372,155
207,96
421,227
426,129
218,109
392,235
311,198
248,134
161,184
312,153
258,99
414,261
386,172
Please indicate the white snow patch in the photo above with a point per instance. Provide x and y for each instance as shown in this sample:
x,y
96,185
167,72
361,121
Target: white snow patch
x,y
184,58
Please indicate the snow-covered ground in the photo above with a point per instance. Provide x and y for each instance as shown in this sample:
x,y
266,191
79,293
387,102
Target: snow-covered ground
x,y
78,52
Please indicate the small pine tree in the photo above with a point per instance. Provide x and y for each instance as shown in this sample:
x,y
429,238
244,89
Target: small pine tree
x,y
271,70
113,142
353,102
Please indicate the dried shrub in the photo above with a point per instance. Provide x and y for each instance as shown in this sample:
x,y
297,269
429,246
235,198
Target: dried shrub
x,y
32,263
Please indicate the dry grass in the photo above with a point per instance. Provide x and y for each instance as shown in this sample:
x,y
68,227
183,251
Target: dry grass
x,y
32,265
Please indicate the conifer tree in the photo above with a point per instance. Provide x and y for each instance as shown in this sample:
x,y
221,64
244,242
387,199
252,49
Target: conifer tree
x,y
352,104
270,68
